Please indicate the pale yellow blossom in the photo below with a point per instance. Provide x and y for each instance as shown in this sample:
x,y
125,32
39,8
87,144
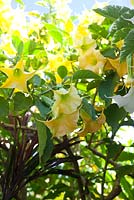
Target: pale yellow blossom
x,y
90,125
66,101
63,123
120,67
92,60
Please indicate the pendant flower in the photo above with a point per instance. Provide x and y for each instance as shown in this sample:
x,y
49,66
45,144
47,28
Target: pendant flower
x,y
66,101
90,125
17,77
65,112
63,124
121,68
126,101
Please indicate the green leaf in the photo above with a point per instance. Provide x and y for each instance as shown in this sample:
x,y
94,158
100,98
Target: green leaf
x,y
120,34
4,107
125,156
98,31
36,80
42,137
49,146
85,74
18,44
125,170
62,71
119,25
55,32
42,107
93,84
114,115
106,87
128,47
109,52
21,102
88,108
113,12
127,188
113,149
46,100
50,76
32,47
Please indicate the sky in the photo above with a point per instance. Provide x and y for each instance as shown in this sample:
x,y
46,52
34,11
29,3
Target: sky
x,y
76,5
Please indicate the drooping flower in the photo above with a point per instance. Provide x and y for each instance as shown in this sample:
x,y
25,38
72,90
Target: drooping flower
x,y
66,102
65,112
126,101
90,125
63,124
120,67
17,77
92,60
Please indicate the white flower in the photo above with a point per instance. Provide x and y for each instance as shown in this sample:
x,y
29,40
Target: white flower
x,y
126,101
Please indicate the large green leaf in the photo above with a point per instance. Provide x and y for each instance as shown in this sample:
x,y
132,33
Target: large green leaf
x,y
85,74
106,87
21,102
114,115
120,24
120,34
128,47
113,12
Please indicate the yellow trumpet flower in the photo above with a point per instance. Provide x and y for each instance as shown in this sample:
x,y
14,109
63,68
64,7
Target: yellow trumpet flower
x,y
17,77
90,125
63,124
66,102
